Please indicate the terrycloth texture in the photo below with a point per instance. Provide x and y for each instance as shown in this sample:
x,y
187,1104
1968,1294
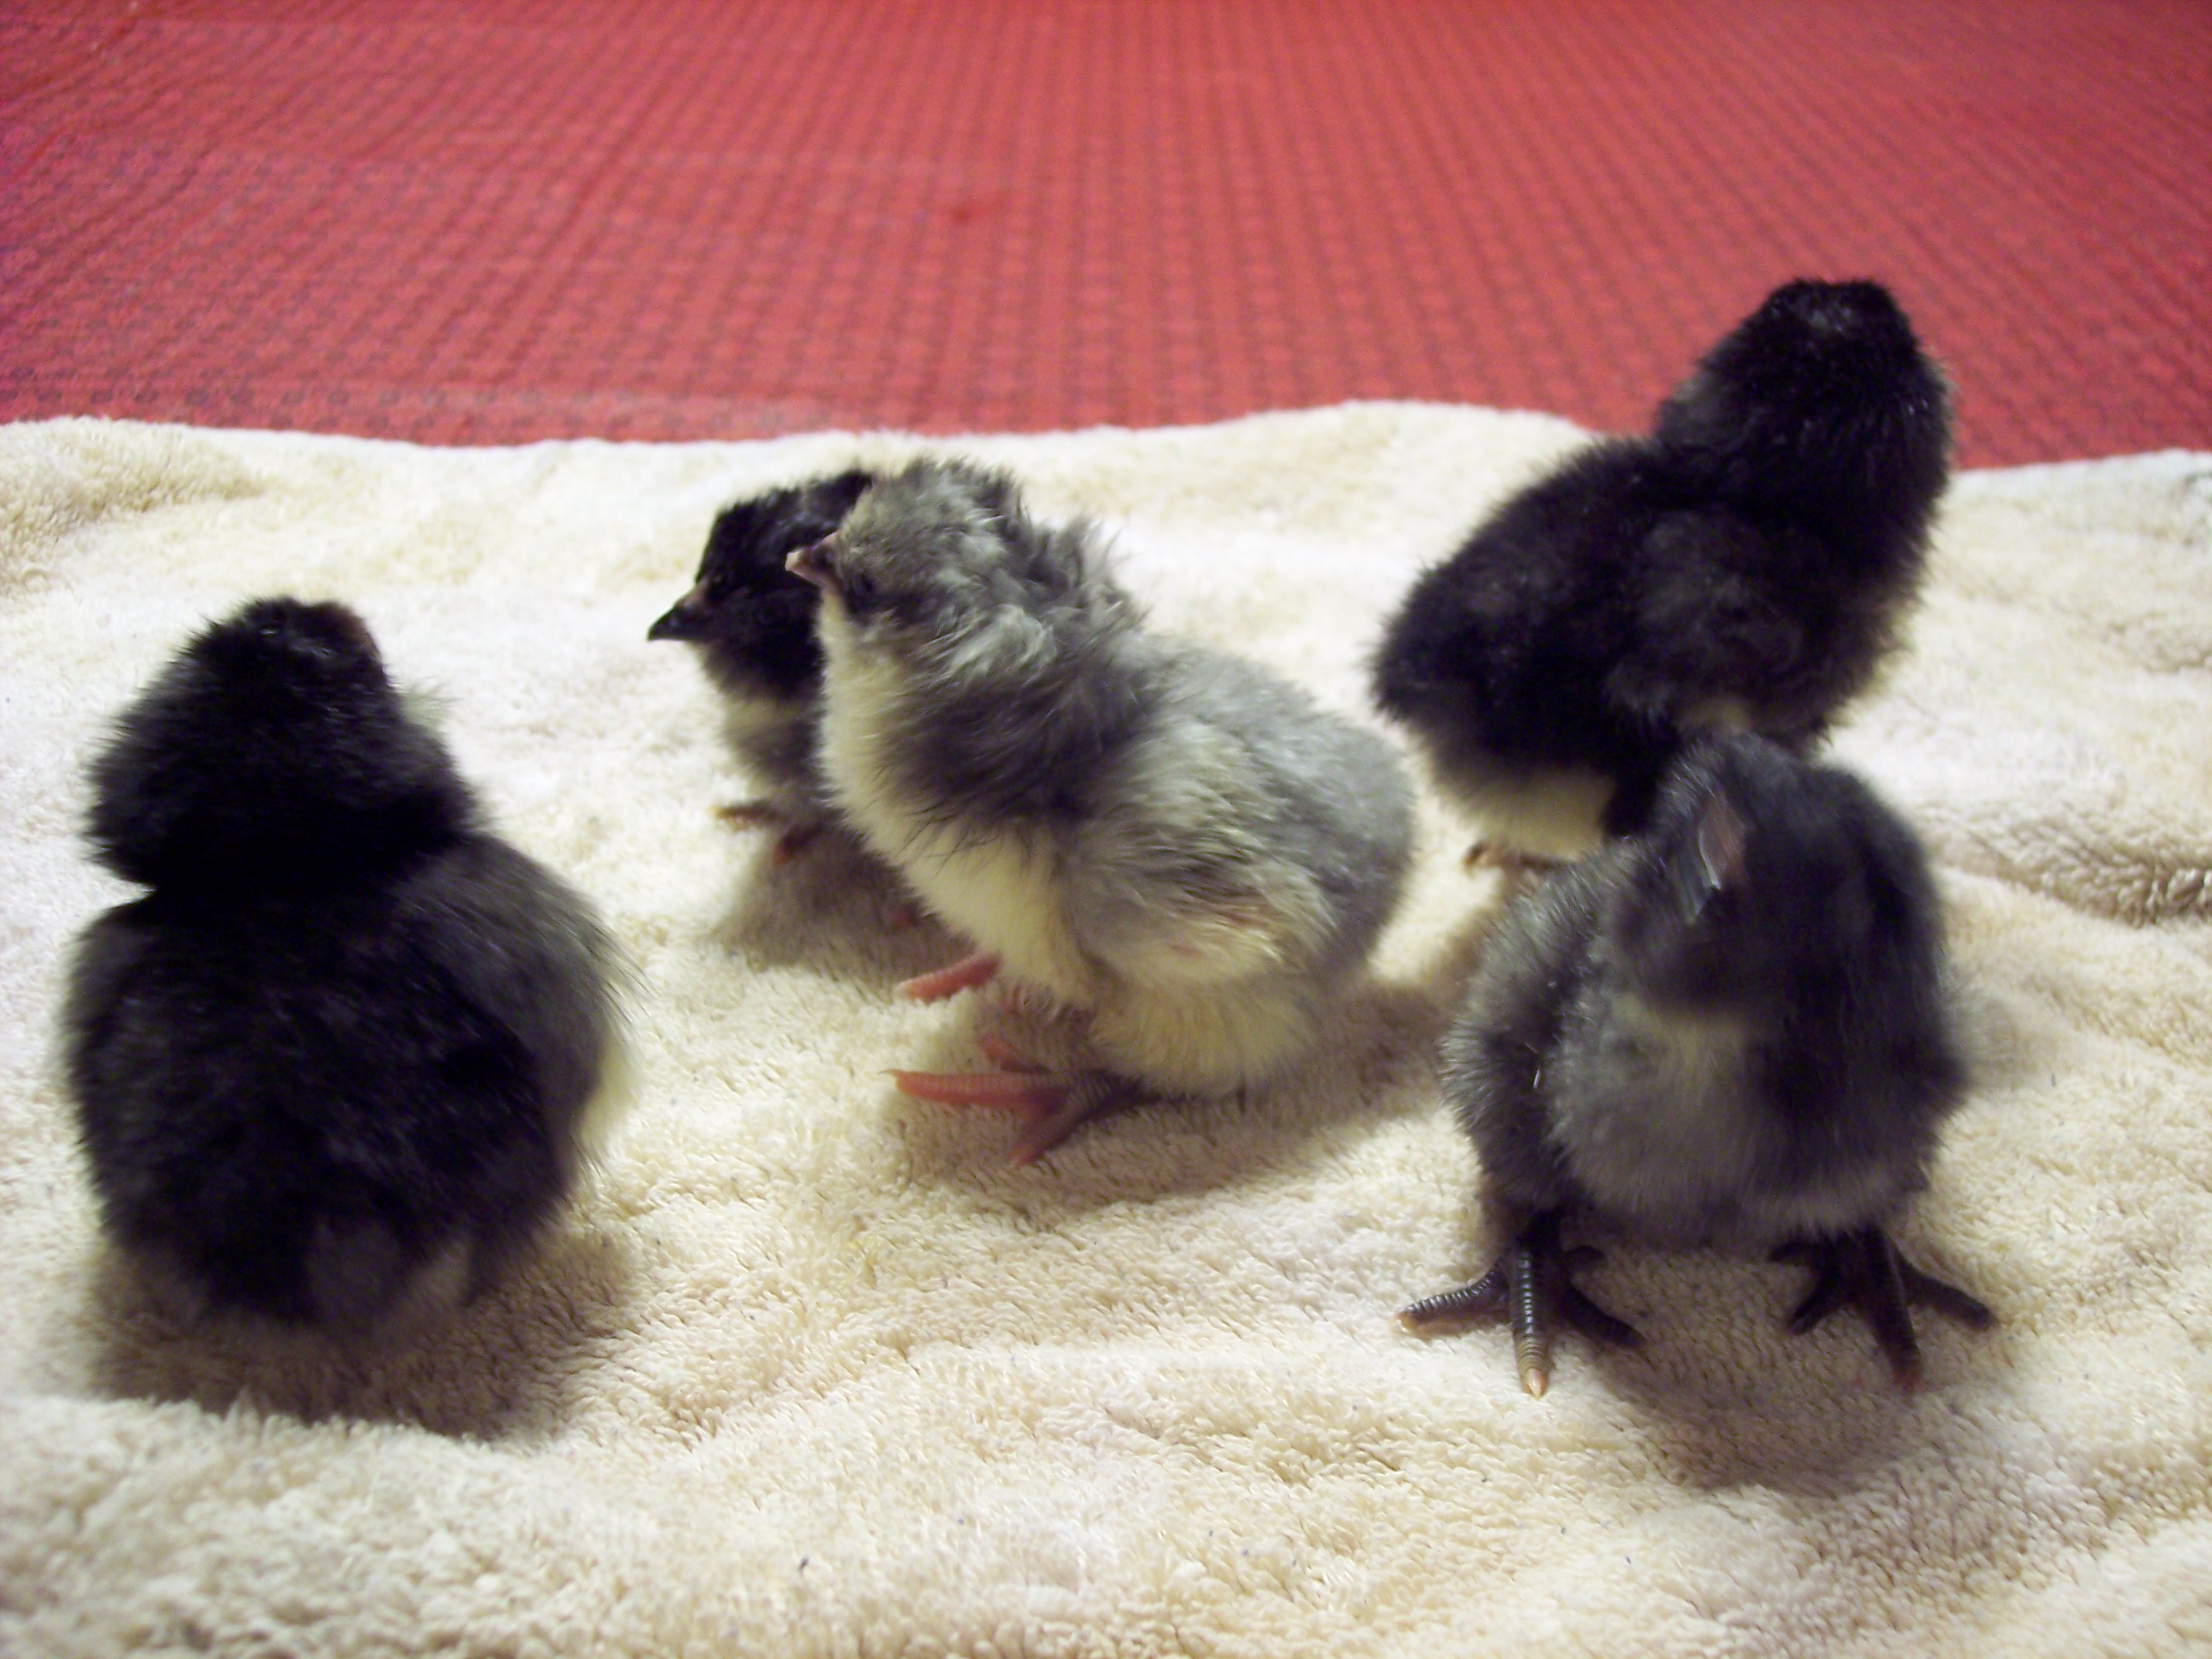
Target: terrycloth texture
x,y
810,1370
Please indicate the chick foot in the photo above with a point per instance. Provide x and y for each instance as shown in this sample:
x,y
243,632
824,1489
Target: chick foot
x,y
759,815
1507,861
948,981
1530,1282
1052,1105
1863,1270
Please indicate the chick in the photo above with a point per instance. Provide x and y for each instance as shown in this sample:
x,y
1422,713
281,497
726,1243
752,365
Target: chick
x,y
753,625
1731,1028
1745,566
335,1068
1165,837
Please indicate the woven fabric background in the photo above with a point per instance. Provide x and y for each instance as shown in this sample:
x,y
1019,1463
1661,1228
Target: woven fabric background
x,y
493,221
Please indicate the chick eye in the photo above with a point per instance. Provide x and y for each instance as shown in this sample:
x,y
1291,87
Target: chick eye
x,y
860,590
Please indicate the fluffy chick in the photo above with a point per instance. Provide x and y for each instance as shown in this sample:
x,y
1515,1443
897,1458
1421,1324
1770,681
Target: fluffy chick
x,y
334,1067
1164,837
1745,566
1731,1028
753,625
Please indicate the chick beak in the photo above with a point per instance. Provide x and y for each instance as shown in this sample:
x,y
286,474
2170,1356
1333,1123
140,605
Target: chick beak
x,y
812,564
684,620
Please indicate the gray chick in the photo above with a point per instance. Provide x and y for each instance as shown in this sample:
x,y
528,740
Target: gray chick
x,y
340,1062
1731,1028
1166,837
753,625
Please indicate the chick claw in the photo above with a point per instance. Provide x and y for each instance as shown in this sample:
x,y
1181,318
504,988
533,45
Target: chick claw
x,y
1052,1105
758,815
1507,861
794,841
1863,1270
1530,1282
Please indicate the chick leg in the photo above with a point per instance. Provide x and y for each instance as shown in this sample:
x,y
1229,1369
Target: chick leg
x,y
1530,1282
1052,1105
1865,1271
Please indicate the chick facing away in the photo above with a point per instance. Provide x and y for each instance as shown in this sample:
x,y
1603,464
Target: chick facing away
x,y
1731,1028
1745,566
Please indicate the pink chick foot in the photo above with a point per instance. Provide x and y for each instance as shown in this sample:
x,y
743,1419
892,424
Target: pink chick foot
x,y
1052,1105
943,982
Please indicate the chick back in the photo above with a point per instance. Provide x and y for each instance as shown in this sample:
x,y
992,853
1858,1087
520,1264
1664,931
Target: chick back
x,y
1744,567
1232,864
1169,837
327,1107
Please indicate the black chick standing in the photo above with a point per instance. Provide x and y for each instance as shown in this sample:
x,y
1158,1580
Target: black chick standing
x,y
336,1066
1745,566
753,623
1731,1028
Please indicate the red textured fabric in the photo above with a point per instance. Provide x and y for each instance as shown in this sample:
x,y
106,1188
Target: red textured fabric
x,y
492,221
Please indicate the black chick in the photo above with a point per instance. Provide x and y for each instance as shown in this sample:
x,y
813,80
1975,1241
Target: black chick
x,y
1731,1028
334,1067
1745,566
753,622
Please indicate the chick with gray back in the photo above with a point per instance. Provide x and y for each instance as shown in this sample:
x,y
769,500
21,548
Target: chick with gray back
x,y
1731,1028
1170,839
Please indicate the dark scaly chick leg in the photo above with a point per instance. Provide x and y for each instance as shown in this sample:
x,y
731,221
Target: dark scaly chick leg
x,y
1052,1105
1530,1282
1865,1270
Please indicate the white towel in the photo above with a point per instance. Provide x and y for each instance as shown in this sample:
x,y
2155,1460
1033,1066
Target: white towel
x,y
808,1369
